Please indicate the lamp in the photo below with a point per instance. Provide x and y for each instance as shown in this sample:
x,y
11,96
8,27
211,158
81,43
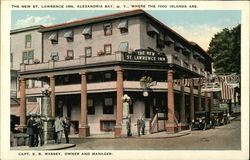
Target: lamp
x,y
46,90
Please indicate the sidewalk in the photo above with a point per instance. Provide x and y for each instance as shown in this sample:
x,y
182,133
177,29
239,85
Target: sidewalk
x,y
44,147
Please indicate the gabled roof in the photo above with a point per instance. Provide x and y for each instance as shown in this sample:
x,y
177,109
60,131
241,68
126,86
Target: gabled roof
x,y
25,29
108,17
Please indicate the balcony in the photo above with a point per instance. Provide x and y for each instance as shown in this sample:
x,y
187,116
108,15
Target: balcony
x,y
71,63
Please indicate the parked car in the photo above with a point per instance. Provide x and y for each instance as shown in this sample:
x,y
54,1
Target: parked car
x,y
202,120
221,117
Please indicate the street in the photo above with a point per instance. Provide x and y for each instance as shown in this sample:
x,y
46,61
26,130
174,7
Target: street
x,y
225,137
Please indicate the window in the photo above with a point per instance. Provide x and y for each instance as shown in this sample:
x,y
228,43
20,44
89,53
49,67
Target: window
x,y
123,26
28,57
53,38
107,48
107,29
107,75
87,32
108,106
88,51
11,60
69,36
91,107
70,55
28,41
151,30
54,56
123,47
107,125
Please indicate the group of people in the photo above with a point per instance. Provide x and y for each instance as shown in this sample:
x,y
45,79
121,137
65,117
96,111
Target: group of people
x,y
36,132
141,124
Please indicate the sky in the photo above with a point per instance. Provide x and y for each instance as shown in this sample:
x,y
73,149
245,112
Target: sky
x,y
198,26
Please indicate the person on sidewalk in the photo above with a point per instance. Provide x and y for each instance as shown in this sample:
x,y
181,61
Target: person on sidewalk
x,y
30,130
59,127
39,122
67,128
139,125
128,125
143,125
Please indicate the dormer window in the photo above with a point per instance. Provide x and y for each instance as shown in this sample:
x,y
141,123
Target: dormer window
x,y
123,26
69,35
107,27
151,30
87,32
53,38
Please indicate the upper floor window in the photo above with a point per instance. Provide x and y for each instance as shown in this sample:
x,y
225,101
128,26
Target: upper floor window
x,y
53,38
107,29
54,56
168,40
107,49
88,51
87,32
123,47
123,26
178,46
28,57
70,55
69,35
28,41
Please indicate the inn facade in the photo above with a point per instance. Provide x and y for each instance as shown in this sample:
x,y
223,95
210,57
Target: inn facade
x,y
91,64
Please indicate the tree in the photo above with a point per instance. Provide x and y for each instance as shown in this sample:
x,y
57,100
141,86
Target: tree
x,y
225,49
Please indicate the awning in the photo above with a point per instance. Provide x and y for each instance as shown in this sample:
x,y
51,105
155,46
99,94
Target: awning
x,y
168,39
178,45
152,29
195,54
53,36
123,47
68,34
123,24
186,51
87,30
31,108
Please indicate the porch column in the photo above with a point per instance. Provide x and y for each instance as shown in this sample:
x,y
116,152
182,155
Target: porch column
x,y
211,101
199,96
22,110
191,100
83,127
171,124
182,124
52,94
119,87
206,102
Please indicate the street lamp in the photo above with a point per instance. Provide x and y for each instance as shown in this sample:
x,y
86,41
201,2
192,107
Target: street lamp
x,y
46,90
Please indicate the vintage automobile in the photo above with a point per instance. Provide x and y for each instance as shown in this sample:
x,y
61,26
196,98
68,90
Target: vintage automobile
x,y
202,120
221,117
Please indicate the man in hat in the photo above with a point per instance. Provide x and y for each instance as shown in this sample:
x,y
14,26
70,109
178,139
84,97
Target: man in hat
x,y
67,128
30,130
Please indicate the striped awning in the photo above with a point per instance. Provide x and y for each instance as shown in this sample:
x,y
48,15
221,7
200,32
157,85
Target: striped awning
x,y
227,91
53,37
151,28
68,34
123,24
31,108
87,30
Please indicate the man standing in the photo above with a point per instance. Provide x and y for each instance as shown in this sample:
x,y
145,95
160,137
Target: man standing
x,y
30,130
143,126
66,128
58,129
139,124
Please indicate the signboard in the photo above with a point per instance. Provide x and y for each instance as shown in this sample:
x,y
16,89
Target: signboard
x,y
145,55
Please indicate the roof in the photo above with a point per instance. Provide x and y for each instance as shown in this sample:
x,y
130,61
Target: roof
x,y
25,29
122,15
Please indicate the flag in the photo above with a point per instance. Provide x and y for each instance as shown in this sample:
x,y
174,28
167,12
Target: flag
x,y
227,91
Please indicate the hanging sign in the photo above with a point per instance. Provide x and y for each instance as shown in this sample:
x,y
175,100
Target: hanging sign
x,y
145,55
